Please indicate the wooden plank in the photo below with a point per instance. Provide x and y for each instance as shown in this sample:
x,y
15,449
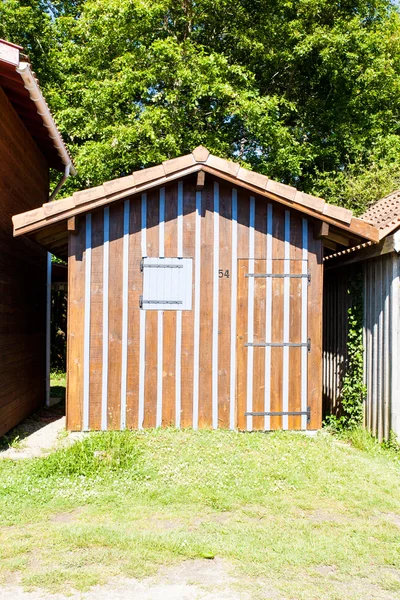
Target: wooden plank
x,y
241,350
187,357
259,313
115,315
96,322
225,282
329,244
206,303
339,238
296,252
201,176
315,332
321,230
150,395
71,224
134,292
277,316
76,288
242,305
170,248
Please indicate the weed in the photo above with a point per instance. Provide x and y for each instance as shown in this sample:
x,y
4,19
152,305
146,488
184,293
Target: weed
x,y
97,453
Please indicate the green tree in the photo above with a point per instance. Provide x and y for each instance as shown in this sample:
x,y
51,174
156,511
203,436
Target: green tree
x,y
28,23
306,91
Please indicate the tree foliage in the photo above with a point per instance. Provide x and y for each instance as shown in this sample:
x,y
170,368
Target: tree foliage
x,y
306,91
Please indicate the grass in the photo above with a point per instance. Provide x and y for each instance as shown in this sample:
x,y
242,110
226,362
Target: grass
x,y
58,382
312,518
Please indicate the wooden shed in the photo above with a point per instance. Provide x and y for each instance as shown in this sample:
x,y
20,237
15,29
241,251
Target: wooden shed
x,y
29,145
379,264
195,296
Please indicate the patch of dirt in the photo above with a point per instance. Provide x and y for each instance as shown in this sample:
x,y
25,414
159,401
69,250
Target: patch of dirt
x,y
323,516
39,436
222,517
393,518
326,570
67,517
191,580
164,524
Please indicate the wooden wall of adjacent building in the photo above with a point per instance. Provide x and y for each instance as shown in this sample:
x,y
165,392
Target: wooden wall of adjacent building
x,y
134,368
23,185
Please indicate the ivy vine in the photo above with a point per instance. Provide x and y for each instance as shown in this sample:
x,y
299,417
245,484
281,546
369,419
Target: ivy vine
x,y
353,388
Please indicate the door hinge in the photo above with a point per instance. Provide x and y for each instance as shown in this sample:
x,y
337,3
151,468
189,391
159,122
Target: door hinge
x,y
309,276
289,413
309,344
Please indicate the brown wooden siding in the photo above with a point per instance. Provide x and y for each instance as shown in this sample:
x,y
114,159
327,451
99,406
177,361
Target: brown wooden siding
x,y
23,186
212,404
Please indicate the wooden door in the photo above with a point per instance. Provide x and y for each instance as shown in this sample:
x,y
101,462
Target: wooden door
x,y
272,344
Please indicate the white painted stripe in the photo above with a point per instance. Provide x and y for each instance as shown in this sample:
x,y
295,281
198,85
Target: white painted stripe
x,y
304,325
142,324
160,368
268,322
180,219
286,322
86,334
196,367
162,224
160,328
215,310
106,270
178,350
250,317
124,336
232,391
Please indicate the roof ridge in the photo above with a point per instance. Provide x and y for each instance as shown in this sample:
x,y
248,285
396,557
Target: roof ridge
x,y
199,159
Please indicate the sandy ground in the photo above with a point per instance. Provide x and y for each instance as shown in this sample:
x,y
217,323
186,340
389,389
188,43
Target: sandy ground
x,y
192,580
39,434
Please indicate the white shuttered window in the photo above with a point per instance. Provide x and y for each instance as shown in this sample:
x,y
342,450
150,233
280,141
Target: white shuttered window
x,y
167,284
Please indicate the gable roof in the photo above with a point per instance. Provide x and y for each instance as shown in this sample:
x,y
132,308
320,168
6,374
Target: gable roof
x,y
55,212
384,214
21,87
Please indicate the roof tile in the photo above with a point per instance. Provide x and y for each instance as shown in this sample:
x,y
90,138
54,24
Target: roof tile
x,y
338,212
221,164
58,206
88,195
309,201
176,164
200,154
384,214
29,217
118,185
145,175
281,189
253,178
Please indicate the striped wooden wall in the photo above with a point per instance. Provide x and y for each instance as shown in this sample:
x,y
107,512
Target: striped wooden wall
x,y
136,368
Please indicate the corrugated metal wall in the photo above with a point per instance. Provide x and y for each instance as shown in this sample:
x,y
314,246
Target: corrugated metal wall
x,y
381,341
381,316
